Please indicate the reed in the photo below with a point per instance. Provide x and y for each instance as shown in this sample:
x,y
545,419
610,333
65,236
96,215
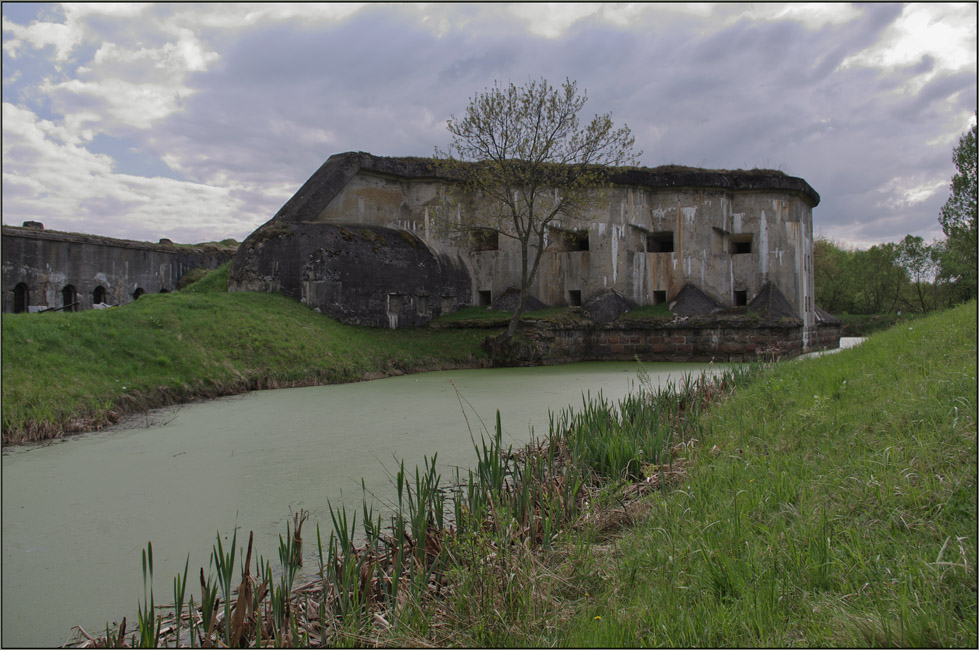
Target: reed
x,y
179,589
149,625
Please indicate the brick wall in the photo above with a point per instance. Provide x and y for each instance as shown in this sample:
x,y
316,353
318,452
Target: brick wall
x,y
671,342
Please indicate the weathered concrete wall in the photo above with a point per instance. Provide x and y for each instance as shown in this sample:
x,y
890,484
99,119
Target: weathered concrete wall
x,y
366,275
46,263
728,233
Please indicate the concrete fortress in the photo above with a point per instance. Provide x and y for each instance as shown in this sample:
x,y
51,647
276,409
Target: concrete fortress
x,y
358,242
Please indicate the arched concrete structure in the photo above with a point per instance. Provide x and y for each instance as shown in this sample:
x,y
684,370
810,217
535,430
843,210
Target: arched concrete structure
x,y
366,275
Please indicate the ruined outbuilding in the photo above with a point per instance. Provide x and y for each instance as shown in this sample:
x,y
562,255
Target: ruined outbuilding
x,y
49,270
735,237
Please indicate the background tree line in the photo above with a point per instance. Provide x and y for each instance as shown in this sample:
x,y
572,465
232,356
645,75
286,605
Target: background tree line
x,y
910,275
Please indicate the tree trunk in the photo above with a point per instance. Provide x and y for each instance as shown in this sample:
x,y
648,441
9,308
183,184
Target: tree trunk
x,y
524,285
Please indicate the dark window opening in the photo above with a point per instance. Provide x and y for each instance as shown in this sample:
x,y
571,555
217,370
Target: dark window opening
x,y
98,296
69,298
659,242
740,244
22,296
567,241
740,298
484,239
574,297
485,298
659,297
138,293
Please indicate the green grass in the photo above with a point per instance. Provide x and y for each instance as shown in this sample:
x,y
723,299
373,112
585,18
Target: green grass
x,y
831,503
480,315
484,315
866,324
649,312
66,372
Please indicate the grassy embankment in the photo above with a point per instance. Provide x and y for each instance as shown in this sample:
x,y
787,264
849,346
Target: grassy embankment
x,y
866,324
827,501
832,501
66,372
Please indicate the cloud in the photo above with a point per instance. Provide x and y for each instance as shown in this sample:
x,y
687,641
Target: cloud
x,y
945,32
39,35
52,178
244,102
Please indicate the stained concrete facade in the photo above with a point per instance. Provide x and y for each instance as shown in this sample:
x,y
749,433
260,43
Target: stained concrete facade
x,y
54,270
728,233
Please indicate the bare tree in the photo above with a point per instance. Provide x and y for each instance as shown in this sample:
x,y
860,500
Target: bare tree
x,y
524,163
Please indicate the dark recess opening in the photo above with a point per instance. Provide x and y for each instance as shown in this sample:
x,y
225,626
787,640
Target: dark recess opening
x,y
21,298
659,297
567,241
659,242
574,297
98,295
484,239
69,298
740,244
164,290
138,293
740,298
485,298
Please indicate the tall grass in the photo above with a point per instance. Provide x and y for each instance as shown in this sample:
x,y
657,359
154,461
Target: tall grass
x,y
834,503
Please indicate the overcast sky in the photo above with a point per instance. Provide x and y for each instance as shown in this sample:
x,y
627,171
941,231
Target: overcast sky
x,y
197,122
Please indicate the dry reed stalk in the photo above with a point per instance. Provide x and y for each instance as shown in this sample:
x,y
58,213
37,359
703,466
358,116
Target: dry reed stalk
x,y
243,618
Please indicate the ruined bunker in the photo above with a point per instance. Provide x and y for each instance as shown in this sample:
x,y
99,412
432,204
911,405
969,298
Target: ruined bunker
x,y
728,234
50,270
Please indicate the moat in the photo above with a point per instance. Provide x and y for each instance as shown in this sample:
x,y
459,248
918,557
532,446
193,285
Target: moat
x,y
78,512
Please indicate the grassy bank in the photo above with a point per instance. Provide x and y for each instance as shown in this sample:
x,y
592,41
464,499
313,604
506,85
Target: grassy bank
x,y
65,372
819,502
832,502
867,324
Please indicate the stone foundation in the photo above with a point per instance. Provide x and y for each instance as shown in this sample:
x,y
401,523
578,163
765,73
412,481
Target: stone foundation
x,y
546,344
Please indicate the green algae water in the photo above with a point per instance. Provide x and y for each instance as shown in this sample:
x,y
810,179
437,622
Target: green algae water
x,y
77,513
